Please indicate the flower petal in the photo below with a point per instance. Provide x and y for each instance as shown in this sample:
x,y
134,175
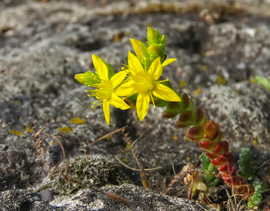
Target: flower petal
x,y
118,78
134,64
106,111
140,49
155,69
142,105
101,67
117,102
165,93
126,89
168,61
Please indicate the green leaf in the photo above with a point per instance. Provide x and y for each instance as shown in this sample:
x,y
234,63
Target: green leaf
x,y
154,37
160,102
133,97
156,51
263,81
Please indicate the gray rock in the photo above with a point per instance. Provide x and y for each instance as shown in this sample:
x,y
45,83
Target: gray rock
x,y
139,199
23,200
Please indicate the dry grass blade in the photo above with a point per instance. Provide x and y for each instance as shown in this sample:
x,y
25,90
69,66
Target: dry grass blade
x,y
116,197
116,131
52,136
134,169
142,172
39,144
187,169
37,134
230,204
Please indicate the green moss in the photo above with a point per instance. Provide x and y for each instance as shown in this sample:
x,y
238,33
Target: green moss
x,y
92,170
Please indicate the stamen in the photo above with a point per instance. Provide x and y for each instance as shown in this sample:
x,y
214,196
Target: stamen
x,y
124,65
162,81
92,95
126,69
97,101
96,77
151,96
97,104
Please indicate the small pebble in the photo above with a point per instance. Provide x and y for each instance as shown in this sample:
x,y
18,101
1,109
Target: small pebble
x,y
46,195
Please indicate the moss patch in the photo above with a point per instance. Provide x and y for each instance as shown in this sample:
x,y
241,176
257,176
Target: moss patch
x,y
92,170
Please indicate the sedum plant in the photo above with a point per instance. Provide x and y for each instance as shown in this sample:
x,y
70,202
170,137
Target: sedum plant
x,y
140,81
209,171
256,198
246,167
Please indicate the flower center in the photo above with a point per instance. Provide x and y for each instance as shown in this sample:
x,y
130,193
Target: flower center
x,y
149,83
144,83
105,90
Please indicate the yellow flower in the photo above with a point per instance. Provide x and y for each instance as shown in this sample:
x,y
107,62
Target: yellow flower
x,y
105,87
145,84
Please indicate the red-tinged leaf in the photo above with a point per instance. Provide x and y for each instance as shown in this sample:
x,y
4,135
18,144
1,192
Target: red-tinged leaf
x,y
195,133
205,145
221,148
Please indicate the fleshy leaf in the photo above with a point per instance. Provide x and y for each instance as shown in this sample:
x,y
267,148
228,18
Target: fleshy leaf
x,y
156,51
263,81
154,37
86,78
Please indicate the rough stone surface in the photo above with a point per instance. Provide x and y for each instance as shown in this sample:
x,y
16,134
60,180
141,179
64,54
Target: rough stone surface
x,y
23,200
138,197
43,44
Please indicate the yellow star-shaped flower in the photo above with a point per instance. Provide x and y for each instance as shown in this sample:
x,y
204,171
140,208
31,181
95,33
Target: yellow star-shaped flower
x,y
105,87
145,83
